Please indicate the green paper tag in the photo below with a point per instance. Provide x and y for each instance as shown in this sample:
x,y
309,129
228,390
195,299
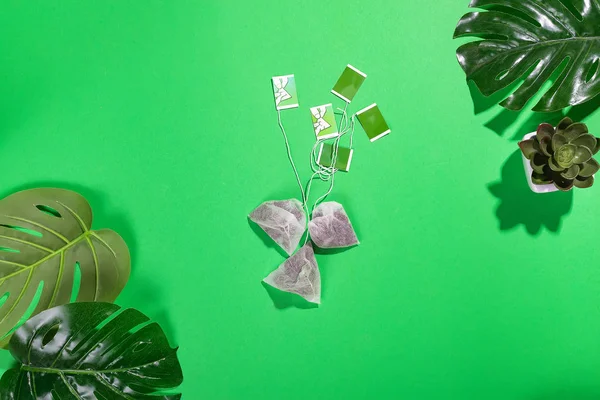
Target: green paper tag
x,y
373,123
349,83
342,161
323,119
284,89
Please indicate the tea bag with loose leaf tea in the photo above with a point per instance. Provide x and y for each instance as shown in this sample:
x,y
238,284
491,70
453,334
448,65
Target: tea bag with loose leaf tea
x,y
299,274
330,227
284,221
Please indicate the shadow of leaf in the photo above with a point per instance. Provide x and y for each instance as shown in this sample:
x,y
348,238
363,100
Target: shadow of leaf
x,y
591,393
534,120
147,296
581,112
483,103
282,300
520,206
505,118
502,121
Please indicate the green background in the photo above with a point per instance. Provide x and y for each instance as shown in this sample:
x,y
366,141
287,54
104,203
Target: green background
x,y
465,285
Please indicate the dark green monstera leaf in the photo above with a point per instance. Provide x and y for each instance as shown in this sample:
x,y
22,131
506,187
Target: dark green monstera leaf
x,y
91,351
532,39
49,256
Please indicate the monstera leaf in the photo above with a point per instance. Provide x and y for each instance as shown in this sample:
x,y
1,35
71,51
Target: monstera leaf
x,y
91,351
49,254
533,39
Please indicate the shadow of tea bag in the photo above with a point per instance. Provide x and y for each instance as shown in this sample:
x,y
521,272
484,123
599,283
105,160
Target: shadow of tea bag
x,y
284,221
330,227
299,274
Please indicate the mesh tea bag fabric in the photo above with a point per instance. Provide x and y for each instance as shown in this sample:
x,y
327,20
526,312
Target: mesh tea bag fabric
x,y
283,220
330,227
299,274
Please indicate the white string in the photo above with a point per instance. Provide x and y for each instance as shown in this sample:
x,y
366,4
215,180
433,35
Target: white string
x,y
289,152
327,174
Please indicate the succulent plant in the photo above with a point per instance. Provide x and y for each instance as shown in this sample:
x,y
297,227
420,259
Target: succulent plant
x,y
563,156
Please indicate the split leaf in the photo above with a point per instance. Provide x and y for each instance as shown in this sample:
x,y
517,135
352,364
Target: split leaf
x,y
49,256
91,351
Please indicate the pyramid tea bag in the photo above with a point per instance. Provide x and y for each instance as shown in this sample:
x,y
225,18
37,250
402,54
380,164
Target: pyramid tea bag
x,y
330,227
284,221
299,274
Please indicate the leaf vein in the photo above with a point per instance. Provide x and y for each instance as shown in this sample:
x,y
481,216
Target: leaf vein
x,y
26,242
71,389
63,238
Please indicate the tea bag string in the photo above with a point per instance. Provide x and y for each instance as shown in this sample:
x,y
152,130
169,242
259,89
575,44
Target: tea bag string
x,y
327,173
289,153
344,131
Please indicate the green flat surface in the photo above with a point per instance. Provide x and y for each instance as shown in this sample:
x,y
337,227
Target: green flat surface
x,y
465,285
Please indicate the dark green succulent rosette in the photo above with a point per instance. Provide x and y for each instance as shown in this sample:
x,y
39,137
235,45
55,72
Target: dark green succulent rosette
x,y
563,156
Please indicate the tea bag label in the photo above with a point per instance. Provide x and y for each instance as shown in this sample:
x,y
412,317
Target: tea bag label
x,y
373,122
343,159
323,119
285,92
348,84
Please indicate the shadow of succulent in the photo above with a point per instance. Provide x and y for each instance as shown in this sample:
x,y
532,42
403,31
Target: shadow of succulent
x,y
520,206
